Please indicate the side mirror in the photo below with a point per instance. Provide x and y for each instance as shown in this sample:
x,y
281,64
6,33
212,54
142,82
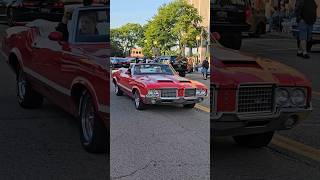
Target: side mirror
x,y
56,36
216,36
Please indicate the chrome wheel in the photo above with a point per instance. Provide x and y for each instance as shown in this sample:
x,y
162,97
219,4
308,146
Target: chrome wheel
x,y
87,120
136,99
21,86
116,88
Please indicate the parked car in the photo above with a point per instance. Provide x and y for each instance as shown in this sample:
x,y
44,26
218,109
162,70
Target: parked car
x,y
118,62
252,97
179,64
315,33
19,12
155,83
229,18
73,74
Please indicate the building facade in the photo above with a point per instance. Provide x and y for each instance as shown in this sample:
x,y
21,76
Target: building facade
x,y
203,7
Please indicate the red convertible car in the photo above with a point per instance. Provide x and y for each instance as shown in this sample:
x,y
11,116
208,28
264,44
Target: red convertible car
x,y
155,83
252,97
72,73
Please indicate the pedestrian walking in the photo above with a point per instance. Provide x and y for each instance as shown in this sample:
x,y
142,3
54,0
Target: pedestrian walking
x,y
306,15
205,67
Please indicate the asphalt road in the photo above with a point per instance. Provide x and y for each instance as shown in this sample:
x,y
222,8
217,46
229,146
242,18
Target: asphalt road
x,y
161,142
42,143
293,154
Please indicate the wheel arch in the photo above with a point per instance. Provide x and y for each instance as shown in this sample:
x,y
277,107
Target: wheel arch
x,y
15,60
79,86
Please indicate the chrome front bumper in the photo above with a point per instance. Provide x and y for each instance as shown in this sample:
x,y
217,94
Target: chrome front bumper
x,y
172,100
228,124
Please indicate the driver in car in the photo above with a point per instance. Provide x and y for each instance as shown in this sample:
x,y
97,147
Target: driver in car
x,y
88,24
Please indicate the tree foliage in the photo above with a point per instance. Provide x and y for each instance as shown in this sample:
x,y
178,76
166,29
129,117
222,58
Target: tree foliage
x,y
175,24
127,36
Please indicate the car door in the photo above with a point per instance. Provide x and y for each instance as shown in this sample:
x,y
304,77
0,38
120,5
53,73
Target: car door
x,y
46,58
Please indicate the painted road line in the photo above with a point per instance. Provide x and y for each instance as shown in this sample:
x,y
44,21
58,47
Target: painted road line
x,y
296,147
202,108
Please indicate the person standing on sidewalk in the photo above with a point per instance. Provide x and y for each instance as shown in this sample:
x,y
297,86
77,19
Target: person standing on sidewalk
x,y
306,15
205,67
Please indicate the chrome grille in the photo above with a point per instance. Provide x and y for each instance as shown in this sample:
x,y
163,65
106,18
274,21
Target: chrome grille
x,y
189,92
252,99
167,93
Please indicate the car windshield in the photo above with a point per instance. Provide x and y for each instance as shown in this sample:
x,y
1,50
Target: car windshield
x,y
93,26
153,69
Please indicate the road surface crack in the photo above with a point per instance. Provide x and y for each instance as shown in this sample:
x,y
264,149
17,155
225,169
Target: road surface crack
x,y
152,162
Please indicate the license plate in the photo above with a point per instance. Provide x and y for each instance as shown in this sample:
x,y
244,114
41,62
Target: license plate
x,y
45,10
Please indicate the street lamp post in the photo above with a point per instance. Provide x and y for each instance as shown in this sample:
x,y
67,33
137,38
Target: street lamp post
x,y
198,38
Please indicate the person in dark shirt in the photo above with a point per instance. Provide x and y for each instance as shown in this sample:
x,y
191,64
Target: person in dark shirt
x,y
63,26
205,67
306,15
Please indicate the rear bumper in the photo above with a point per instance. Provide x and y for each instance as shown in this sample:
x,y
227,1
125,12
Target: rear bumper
x,y
232,124
177,100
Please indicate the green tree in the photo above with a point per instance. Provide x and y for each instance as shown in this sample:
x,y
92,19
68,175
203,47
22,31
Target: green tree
x,y
175,24
127,37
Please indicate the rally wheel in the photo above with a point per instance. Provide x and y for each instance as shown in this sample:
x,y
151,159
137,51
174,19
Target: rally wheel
x,y
27,96
94,135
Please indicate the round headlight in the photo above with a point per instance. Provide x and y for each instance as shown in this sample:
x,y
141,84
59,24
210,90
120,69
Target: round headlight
x,y
201,92
153,93
282,97
298,97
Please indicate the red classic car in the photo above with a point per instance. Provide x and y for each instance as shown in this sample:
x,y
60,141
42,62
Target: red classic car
x,y
252,97
72,73
155,83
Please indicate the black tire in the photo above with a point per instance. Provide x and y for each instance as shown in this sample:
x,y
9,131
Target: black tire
x,y
254,140
117,89
94,135
189,105
138,103
10,17
27,97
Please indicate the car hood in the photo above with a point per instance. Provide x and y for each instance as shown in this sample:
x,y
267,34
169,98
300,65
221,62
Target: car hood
x,y
167,81
231,68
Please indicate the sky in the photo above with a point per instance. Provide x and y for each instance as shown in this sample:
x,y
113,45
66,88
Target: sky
x,y
133,11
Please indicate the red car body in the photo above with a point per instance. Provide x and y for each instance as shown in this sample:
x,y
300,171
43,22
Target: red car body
x,y
247,94
129,82
61,70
